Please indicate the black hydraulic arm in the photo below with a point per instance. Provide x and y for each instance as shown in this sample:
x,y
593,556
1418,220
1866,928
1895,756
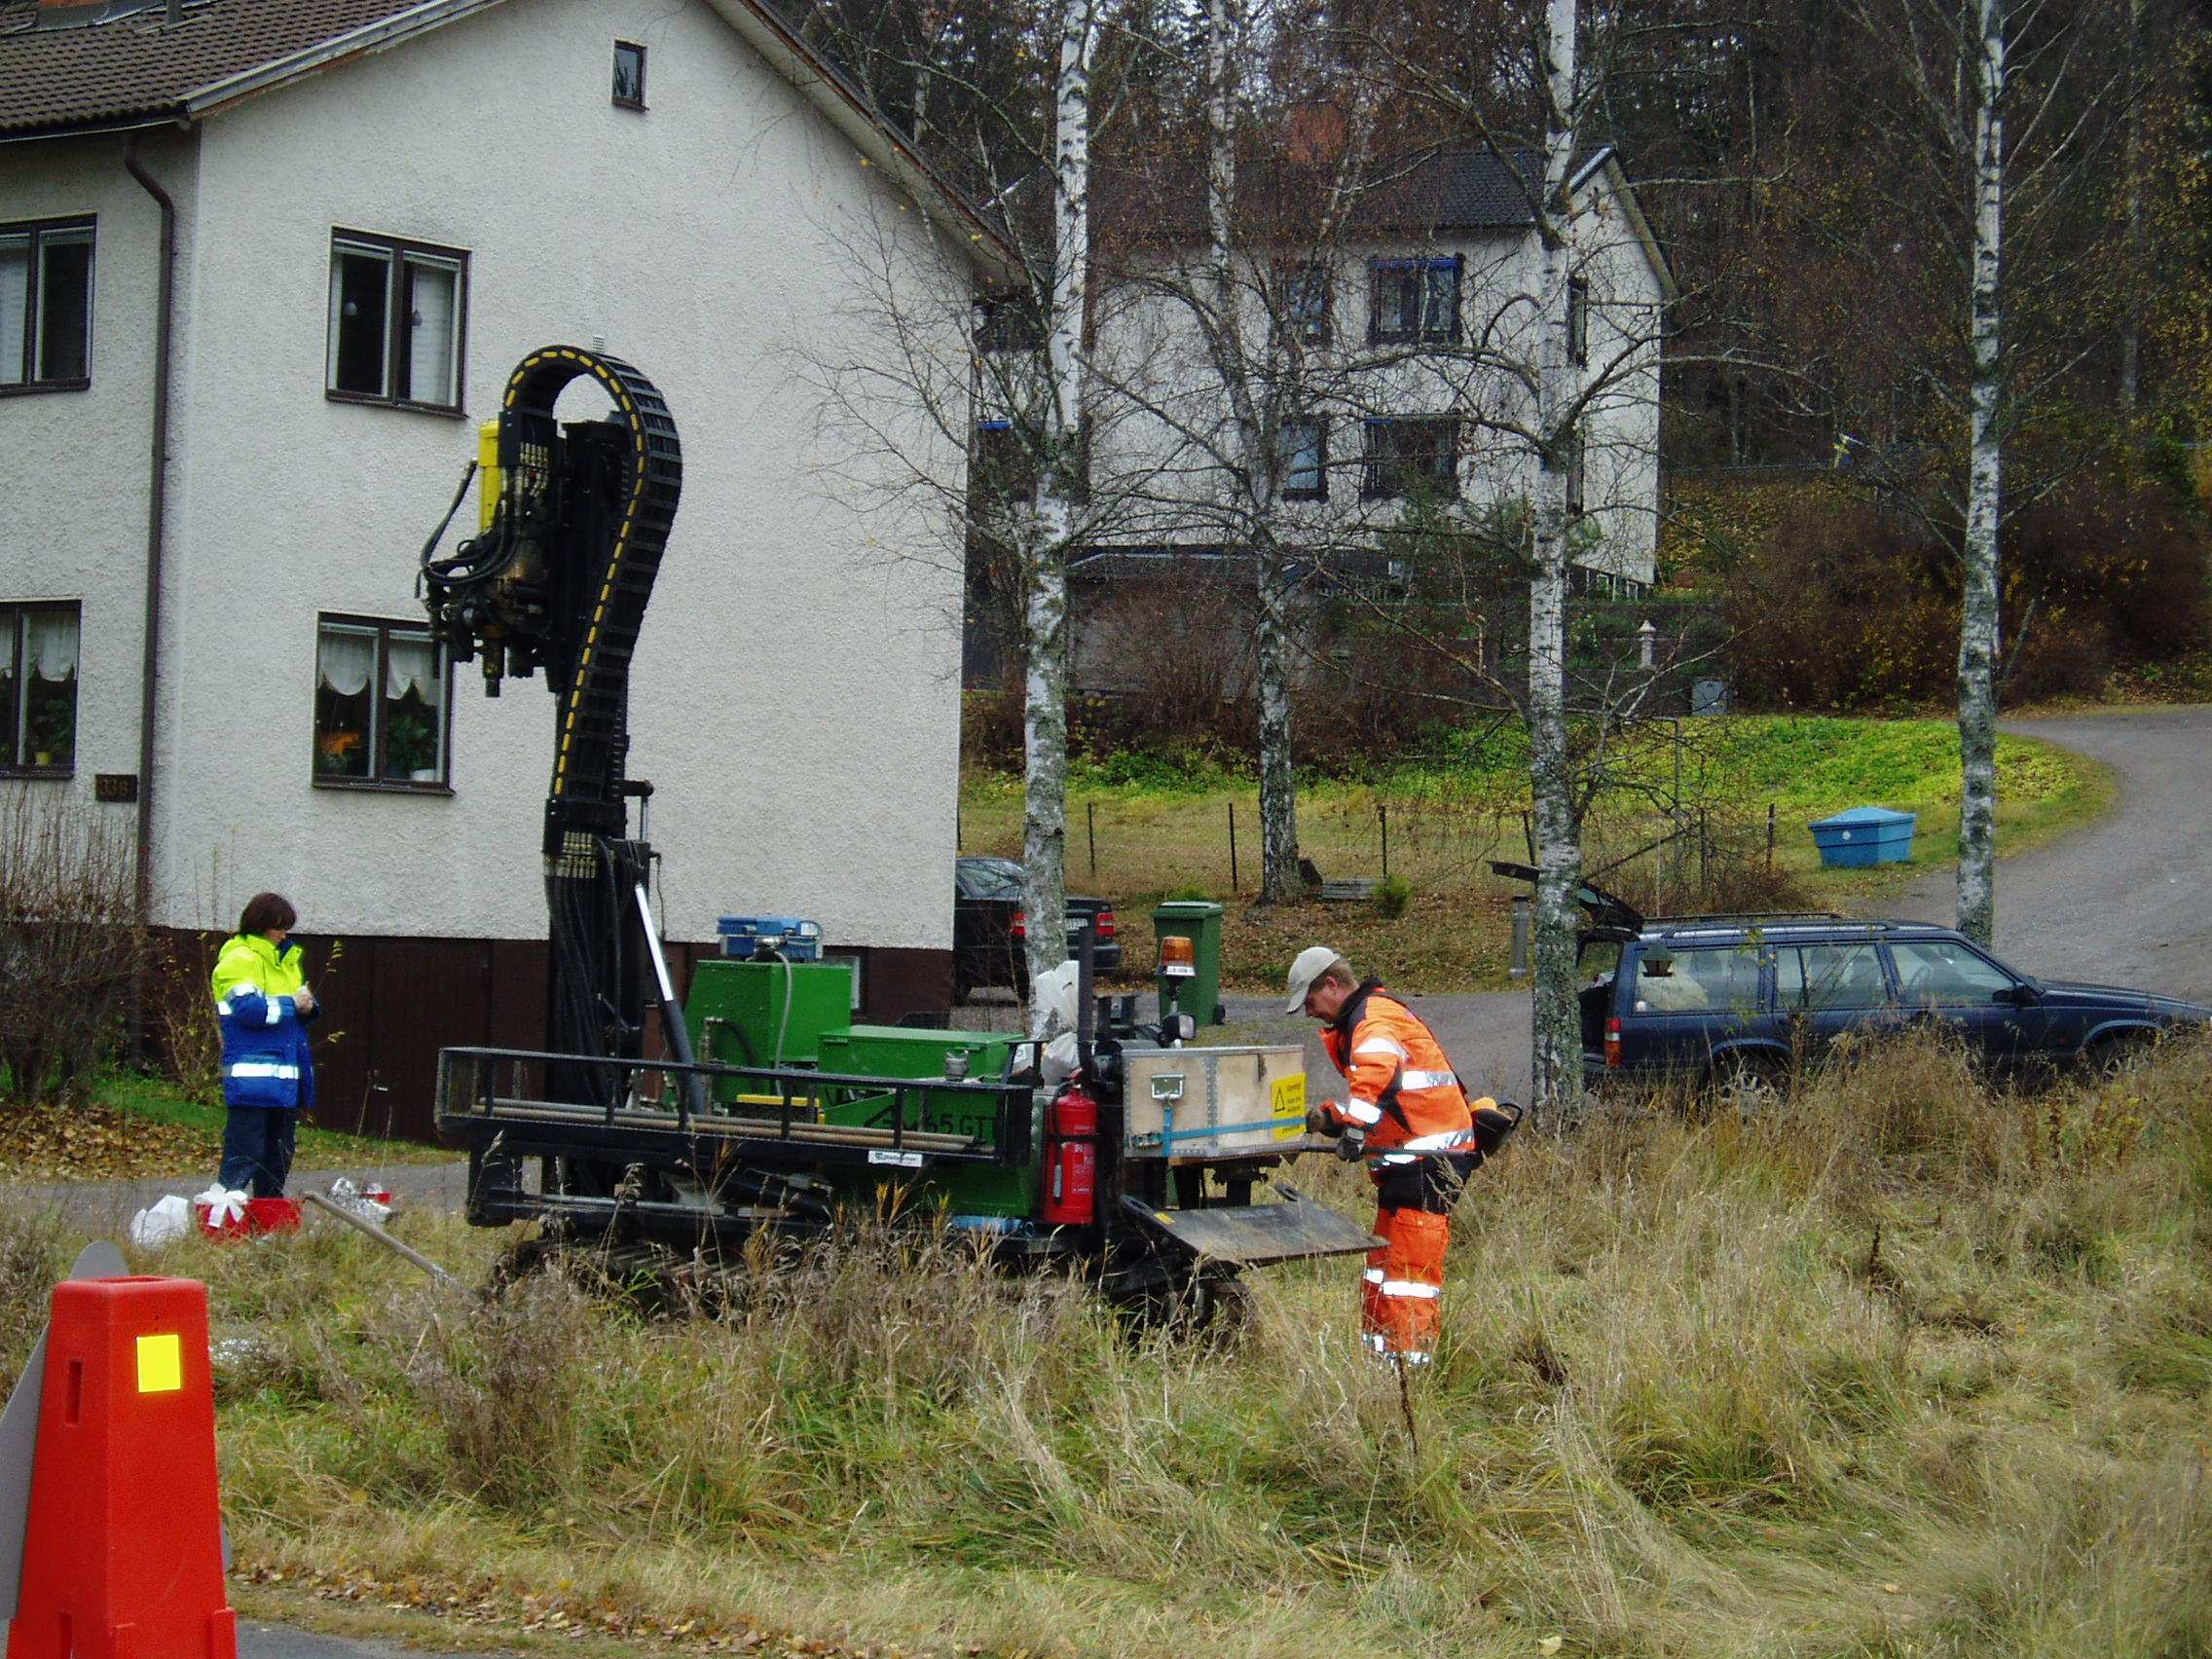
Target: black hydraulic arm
x,y
577,516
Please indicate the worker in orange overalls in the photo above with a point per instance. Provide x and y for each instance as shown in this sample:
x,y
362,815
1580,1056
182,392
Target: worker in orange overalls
x,y
1412,1122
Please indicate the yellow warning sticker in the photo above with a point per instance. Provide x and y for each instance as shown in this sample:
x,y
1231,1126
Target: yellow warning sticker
x,y
160,1364
1289,1100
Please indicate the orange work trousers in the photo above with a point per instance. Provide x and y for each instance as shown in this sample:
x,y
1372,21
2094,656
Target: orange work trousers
x,y
1402,1291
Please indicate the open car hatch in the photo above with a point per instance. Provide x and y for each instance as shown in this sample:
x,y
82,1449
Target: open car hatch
x,y
1604,909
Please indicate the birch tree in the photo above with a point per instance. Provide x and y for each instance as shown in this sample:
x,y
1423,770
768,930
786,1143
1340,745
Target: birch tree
x,y
1971,240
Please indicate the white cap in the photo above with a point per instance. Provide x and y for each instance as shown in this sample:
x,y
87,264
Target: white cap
x,y
1313,962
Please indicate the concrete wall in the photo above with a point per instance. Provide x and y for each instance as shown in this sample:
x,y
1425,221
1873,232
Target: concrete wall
x,y
796,696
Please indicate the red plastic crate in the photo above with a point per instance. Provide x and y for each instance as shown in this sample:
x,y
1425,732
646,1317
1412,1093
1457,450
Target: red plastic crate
x,y
262,1215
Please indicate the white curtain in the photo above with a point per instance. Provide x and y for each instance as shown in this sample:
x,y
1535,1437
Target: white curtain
x,y
430,340
15,294
412,665
346,661
51,644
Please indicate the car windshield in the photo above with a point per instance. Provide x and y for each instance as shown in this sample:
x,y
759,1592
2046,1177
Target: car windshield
x,y
990,879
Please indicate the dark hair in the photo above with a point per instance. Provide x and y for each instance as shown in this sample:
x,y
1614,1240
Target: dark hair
x,y
265,913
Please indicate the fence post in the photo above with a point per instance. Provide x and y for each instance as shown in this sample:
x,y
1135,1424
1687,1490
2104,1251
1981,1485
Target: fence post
x,y
1384,808
1232,847
1091,828
1770,837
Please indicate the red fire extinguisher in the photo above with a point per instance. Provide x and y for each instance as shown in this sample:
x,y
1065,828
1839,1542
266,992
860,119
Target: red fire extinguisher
x,y
1071,1157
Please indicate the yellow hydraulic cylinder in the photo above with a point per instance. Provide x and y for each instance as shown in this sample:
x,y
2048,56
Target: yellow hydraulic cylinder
x,y
490,478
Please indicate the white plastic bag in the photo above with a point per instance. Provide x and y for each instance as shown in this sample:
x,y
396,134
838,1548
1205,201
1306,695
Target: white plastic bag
x,y
1054,992
162,1222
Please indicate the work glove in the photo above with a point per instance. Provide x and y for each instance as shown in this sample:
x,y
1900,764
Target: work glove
x,y
1352,1145
1320,1120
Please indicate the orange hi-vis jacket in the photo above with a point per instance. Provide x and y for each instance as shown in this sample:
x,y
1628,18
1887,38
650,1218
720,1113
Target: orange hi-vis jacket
x,y
1404,1092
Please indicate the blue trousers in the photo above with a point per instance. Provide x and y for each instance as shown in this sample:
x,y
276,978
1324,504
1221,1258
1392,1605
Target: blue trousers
x,y
257,1149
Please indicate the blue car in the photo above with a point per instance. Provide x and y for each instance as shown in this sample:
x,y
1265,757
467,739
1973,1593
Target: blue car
x,y
1734,999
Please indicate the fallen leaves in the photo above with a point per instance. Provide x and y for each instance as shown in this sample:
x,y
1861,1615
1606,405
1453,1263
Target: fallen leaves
x,y
558,1612
96,1143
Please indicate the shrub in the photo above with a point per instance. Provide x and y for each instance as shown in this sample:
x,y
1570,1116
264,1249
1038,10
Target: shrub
x,y
1392,893
69,940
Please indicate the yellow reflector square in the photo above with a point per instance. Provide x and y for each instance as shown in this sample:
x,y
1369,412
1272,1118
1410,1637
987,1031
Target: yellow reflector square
x,y
160,1364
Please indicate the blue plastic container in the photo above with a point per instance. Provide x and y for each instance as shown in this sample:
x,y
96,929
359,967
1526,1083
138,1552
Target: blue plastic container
x,y
1866,835
797,939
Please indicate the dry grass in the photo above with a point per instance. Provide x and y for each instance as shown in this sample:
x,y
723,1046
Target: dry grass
x,y
1909,1366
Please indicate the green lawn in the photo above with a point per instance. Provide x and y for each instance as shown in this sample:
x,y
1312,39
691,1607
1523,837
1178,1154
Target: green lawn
x,y
1140,831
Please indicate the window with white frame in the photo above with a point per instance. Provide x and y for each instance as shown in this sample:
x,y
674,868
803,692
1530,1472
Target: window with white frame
x,y
38,687
1305,447
1413,301
379,705
46,306
399,321
1412,455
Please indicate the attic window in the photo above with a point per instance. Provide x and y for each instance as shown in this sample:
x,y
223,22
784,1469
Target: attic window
x,y
629,75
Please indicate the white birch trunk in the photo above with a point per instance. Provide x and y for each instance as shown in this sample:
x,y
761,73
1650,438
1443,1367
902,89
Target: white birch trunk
x,y
1978,613
1254,481
2131,320
1555,1024
1059,486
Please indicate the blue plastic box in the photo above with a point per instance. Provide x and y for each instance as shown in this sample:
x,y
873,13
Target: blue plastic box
x,y
795,938
1866,835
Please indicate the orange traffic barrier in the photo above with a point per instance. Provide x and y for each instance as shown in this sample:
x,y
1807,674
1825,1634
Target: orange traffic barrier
x,y
122,1553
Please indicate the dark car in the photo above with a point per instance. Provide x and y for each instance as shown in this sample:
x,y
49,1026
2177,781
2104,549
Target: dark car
x,y
1733,999
989,935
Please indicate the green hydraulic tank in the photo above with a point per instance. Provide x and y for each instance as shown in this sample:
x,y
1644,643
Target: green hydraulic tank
x,y
737,1013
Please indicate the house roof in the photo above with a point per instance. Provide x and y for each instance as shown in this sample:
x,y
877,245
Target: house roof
x,y
112,65
1430,195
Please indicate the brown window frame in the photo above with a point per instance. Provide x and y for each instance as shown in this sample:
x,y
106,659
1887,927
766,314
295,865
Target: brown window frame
x,y
12,710
399,331
378,781
1385,475
34,282
1578,321
637,47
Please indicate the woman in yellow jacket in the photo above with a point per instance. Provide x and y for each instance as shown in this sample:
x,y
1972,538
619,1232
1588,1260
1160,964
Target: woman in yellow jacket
x,y
265,1007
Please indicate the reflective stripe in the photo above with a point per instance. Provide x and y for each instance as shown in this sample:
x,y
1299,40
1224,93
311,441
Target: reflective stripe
x,y
1363,1112
1397,1158
1372,1275
245,988
261,1068
223,1009
1444,1142
275,1011
1382,1045
1429,1080
1373,1342
1406,1288
1412,1356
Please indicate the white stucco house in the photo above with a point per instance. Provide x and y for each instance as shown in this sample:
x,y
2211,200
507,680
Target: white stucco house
x,y
1392,348
265,265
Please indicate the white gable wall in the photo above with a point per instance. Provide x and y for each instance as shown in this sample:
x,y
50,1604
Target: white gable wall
x,y
74,464
795,697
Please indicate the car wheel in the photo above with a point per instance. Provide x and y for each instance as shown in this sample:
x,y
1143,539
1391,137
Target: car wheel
x,y
1750,1084
2117,1056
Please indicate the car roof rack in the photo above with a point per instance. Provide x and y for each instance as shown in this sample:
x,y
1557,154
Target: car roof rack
x,y
1749,916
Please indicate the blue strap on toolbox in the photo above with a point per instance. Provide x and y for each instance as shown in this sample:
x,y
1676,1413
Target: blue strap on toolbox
x,y
795,938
